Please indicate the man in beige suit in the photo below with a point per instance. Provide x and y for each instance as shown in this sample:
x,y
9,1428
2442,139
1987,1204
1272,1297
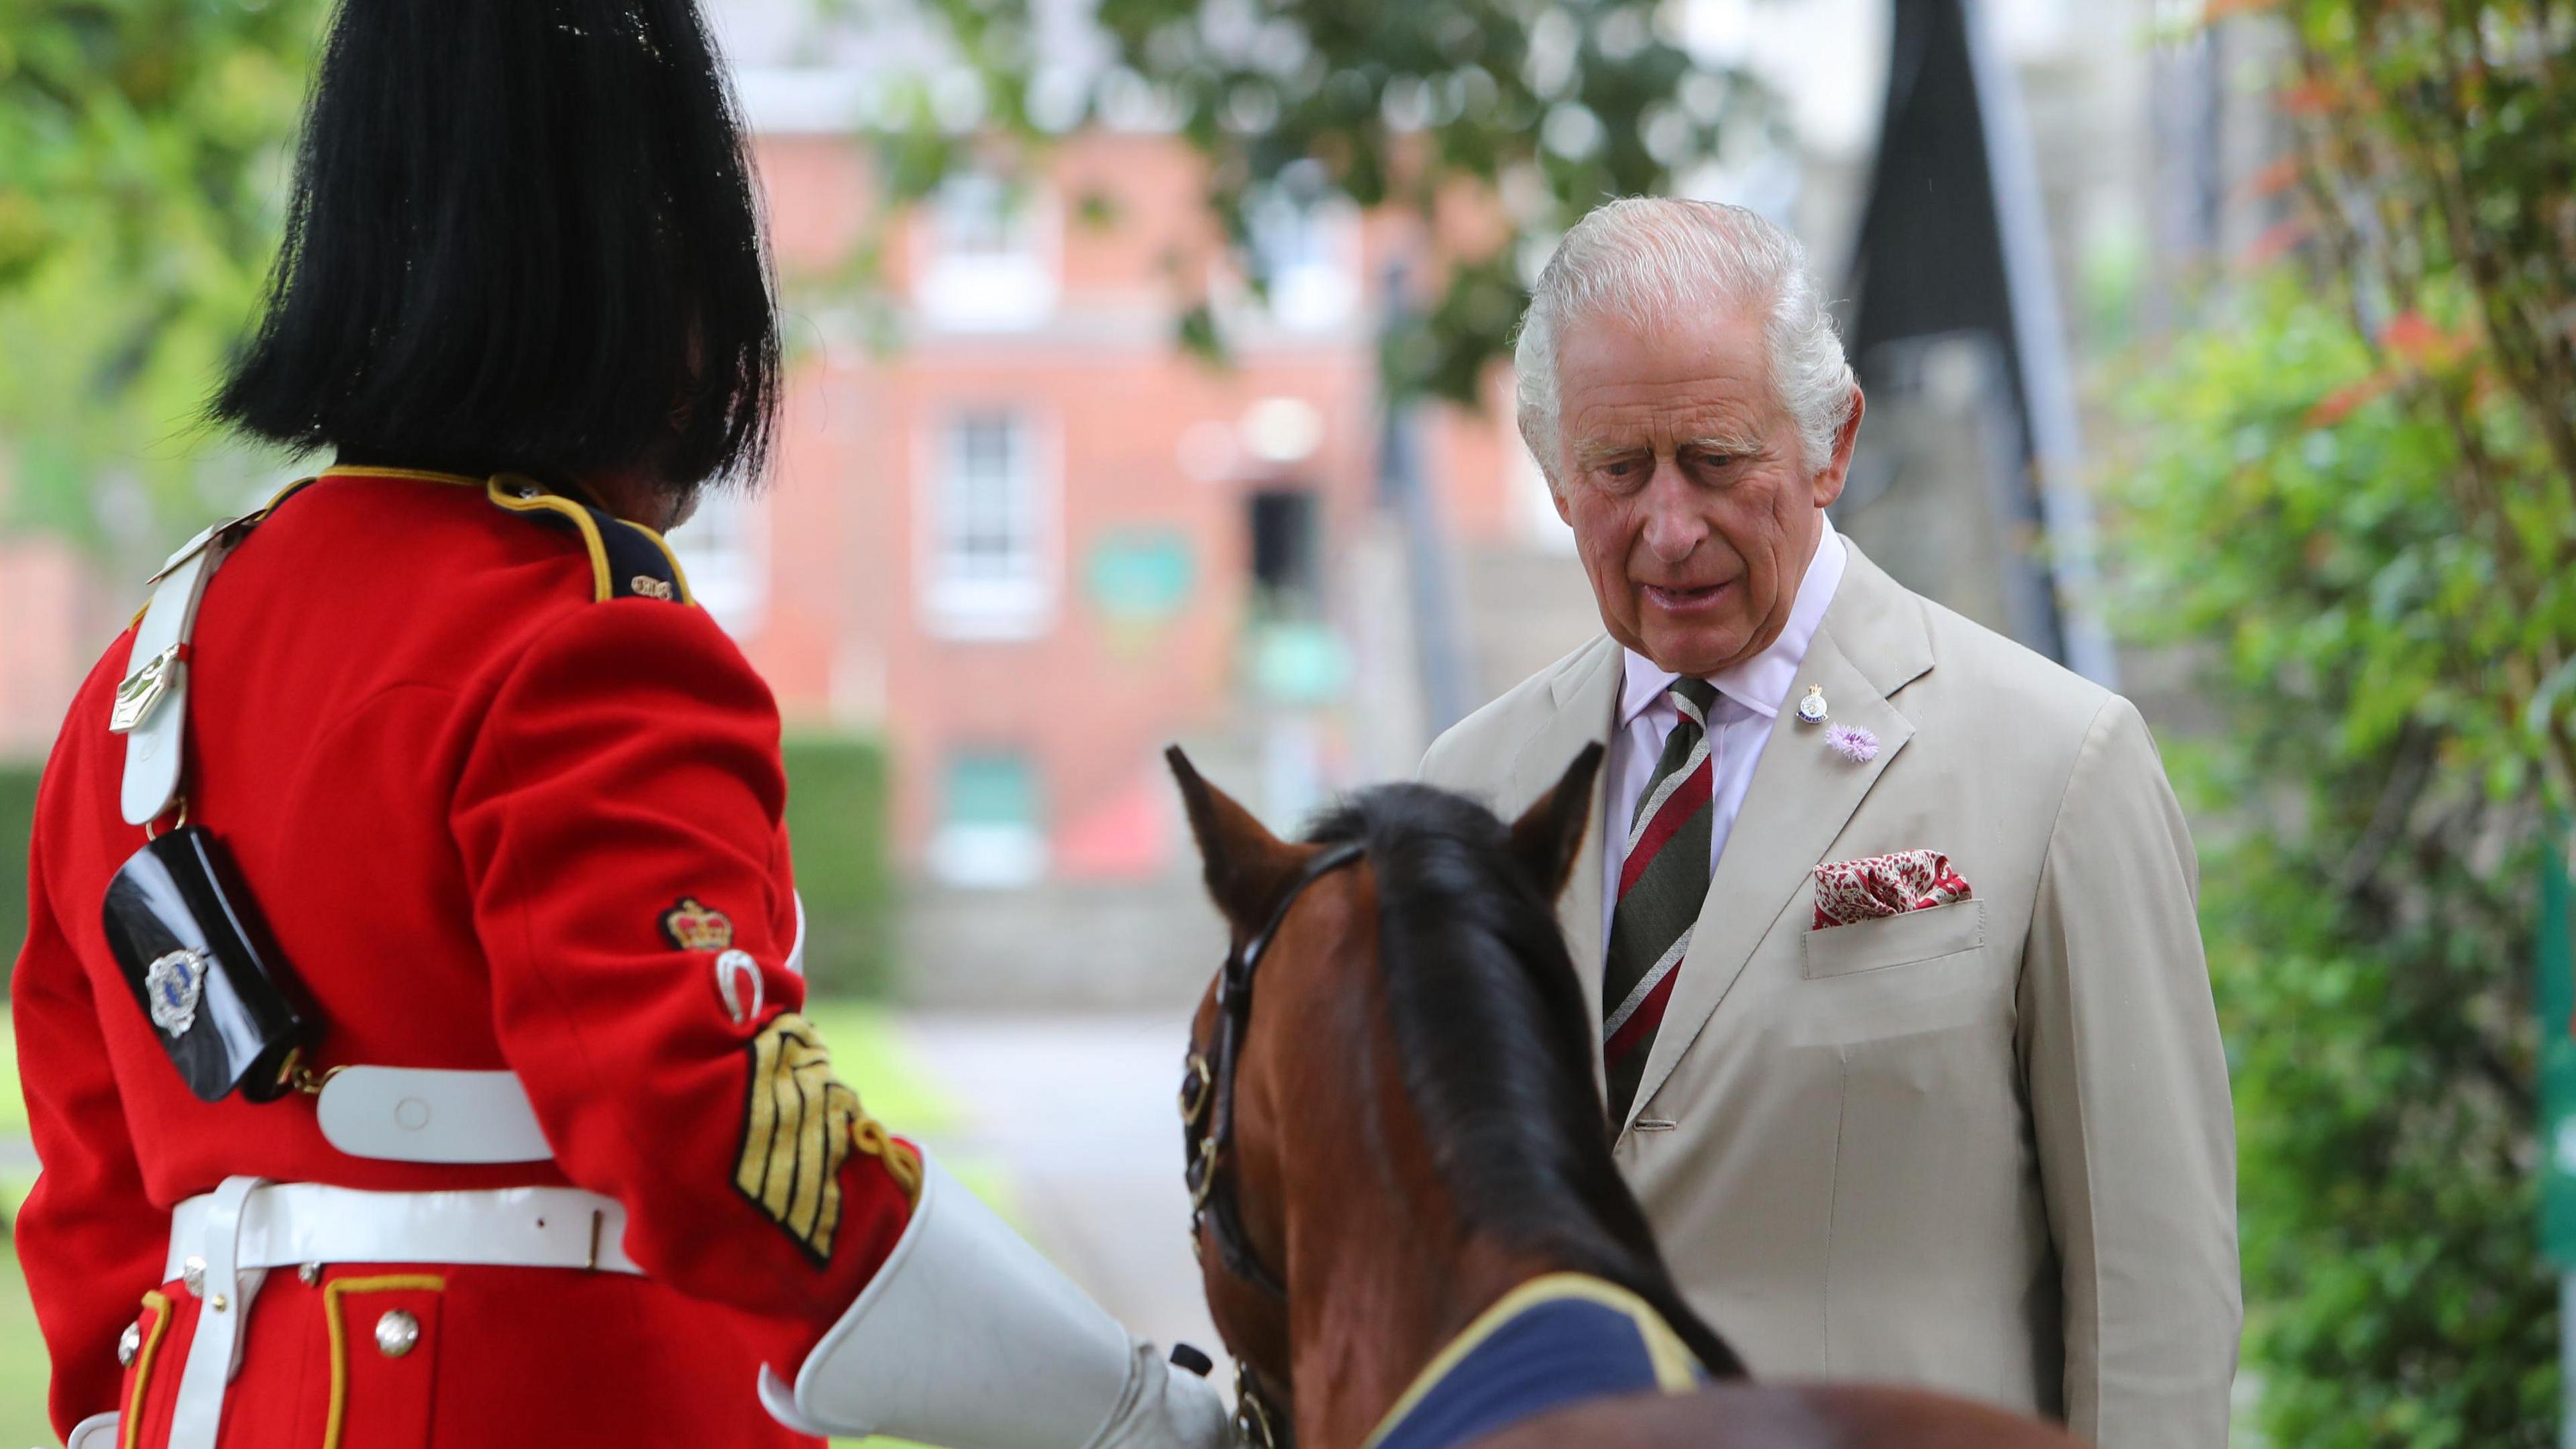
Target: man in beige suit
x,y
1908,1036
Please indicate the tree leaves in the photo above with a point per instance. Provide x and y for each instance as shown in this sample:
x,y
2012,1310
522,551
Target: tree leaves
x,y
142,168
1539,110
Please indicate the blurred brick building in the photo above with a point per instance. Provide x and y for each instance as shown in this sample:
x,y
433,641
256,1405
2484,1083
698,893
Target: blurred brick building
x,y
1022,535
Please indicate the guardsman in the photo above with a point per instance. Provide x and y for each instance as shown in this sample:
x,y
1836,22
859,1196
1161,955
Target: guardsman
x,y
410,1011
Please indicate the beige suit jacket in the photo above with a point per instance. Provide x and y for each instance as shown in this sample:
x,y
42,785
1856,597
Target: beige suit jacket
x,y
1985,1147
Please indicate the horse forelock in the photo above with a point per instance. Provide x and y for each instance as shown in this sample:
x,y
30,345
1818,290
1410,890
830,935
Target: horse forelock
x,y
1492,1025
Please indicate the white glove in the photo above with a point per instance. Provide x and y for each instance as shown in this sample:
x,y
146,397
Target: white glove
x,y
98,1431
1165,1407
968,1338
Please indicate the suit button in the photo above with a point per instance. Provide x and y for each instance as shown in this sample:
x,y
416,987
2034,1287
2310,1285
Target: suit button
x,y
396,1333
129,1343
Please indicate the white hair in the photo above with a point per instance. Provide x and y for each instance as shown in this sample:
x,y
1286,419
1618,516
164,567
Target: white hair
x,y
1652,260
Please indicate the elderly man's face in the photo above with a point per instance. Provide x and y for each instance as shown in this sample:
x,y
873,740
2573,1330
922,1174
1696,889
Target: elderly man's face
x,y
1679,473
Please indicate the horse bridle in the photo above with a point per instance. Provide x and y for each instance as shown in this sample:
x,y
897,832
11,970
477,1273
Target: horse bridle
x,y
1207,1123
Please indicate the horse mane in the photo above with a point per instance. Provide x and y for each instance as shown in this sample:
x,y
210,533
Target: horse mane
x,y
1491,1022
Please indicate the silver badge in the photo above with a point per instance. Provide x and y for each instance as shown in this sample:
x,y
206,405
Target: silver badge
x,y
174,984
733,968
1811,710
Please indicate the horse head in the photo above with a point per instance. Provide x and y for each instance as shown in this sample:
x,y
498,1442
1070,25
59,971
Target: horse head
x,y
1324,1043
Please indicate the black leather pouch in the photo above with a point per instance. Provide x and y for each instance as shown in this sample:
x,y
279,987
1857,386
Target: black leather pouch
x,y
204,968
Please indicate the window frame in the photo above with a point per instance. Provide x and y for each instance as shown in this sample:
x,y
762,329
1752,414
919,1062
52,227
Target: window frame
x,y
968,603
1012,287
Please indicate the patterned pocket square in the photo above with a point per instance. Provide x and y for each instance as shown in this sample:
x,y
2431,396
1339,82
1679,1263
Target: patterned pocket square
x,y
1885,885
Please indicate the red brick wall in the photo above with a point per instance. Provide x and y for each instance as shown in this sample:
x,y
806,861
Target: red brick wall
x,y
843,637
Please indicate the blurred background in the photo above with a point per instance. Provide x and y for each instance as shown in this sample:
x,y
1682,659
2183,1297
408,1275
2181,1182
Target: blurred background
x,y
1149,383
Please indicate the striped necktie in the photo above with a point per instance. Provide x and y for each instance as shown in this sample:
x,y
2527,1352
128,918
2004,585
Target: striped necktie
x,y
1661,884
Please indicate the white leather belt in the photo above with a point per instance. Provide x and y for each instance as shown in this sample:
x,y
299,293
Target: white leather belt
x,y
422,1114
288,1224
223,1243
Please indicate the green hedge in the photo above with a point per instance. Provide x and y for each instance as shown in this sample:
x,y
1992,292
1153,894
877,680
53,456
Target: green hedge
x,y
837,821
836,814
17,810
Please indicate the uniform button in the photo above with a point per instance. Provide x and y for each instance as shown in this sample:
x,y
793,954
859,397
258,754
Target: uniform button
x,y
396,1333
530,490
311,1273
129,1343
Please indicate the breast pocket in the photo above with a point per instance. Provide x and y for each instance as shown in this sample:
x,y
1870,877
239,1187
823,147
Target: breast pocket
x,y
1893,941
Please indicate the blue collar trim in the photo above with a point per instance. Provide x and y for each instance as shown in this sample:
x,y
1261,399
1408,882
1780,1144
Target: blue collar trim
x,y
1555,1342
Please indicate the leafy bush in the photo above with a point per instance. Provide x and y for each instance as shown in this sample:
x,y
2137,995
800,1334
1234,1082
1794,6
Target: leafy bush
x,y
17,817
2370,832
2356,501
837,824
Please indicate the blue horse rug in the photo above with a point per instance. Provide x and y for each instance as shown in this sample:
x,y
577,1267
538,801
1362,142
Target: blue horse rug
x,y
1553,1341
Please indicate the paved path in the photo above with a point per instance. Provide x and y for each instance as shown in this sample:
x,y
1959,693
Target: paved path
x,y
1079,1114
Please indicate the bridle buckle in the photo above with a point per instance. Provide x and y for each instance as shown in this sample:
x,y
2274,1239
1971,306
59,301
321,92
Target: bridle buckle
x,y
1202,1175
1252,1410
1198,1084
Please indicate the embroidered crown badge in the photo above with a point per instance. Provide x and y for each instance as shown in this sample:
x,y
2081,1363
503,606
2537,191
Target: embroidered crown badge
x,y
695,927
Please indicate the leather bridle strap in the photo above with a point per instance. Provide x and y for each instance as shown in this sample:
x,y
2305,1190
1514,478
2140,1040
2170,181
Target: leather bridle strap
x,y
1207,1116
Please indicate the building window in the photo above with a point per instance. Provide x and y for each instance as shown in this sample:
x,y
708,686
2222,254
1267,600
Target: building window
x,y
988,256
989,575
1287,575
724,547
1305,243
989,835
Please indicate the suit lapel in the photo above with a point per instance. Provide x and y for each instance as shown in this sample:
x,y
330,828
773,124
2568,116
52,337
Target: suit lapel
x,y
1587,701
1803,792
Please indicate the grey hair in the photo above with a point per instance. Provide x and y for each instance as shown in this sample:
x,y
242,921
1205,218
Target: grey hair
x,y
1648,260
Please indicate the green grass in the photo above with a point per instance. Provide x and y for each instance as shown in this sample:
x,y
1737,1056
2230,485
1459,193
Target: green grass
x,y
867,1054
13,1103
22,1361
866,1051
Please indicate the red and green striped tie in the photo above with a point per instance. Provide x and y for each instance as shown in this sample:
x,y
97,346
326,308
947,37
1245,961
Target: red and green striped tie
x,y
1661,885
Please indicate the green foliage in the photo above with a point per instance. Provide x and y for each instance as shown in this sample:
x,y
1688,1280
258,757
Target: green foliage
x,y
1532,114
17,820
2437,158
2369,836
142,166
836,823
2453,127
2356,502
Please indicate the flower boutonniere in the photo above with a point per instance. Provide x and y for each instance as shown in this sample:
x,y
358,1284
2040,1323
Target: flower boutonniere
x,y
1853,742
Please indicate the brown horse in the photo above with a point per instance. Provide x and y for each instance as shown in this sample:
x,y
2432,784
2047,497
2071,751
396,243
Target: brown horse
x,y
1405,1134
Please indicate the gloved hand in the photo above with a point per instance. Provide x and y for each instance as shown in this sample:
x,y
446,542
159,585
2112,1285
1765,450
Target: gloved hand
x,y
1166,1407
969,1338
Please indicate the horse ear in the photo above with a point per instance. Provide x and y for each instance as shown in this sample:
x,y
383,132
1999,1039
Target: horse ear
x,y
1549,835
1247,866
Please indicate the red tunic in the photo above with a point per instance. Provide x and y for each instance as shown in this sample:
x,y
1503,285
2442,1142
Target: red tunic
x,y
466,795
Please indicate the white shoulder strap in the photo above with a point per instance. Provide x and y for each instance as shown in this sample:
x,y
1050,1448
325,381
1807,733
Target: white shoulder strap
x,y
152,702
